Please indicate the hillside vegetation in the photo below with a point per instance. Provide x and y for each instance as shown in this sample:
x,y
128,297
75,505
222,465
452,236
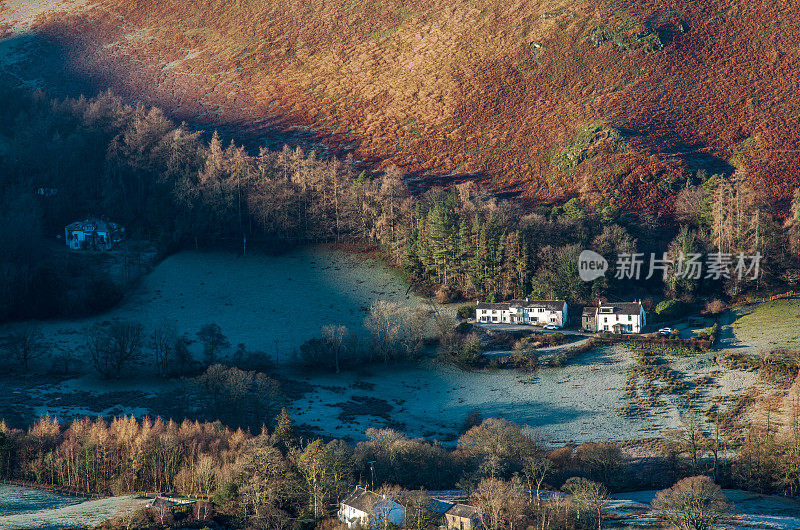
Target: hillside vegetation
x,y
618,101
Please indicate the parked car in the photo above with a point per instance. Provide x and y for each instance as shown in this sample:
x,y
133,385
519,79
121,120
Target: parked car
x,y
666,331
550,326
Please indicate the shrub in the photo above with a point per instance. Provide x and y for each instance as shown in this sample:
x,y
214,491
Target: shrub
x,y
466,311
101,295
714,307
669,308
473,419
445,294
464,351
226,493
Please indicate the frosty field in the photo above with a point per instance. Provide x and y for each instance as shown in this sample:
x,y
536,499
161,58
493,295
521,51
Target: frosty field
x,y
273,304
264,302
34,508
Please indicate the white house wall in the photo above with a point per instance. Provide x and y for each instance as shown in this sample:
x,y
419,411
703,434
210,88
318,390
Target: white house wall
x,y
607,322
535,316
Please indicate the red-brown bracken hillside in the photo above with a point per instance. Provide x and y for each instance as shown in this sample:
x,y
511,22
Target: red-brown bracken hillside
x,y
615,100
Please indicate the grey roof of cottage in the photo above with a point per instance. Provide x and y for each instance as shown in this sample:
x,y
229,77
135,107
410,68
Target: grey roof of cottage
x,y
463,510
550,305
618,308
161,502
491,305
590,311
99,225
439,506
363,500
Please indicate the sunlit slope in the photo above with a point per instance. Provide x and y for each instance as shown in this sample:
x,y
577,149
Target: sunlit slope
x,y
618,101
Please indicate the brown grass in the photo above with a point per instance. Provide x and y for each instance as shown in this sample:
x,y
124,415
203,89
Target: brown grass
x,y
491,88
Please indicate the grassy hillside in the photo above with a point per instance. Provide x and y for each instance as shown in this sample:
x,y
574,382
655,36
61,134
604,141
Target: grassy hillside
x,y
620,101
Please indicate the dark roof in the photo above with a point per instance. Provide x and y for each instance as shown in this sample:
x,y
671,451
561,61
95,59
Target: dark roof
x,y
161,502
363,500
617,308
489,305
550,305
94,225
463,510
439,506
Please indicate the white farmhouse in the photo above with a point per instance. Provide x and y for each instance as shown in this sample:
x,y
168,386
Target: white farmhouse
x,y
620,317
533,312
93,234
364,508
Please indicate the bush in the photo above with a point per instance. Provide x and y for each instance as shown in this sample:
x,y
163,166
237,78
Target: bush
x,y
523,360
101,295
714,307
445,294
669,308
473,419
466,311
464,351
226,493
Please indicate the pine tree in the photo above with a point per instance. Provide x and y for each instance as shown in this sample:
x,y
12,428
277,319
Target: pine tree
x,y
283,435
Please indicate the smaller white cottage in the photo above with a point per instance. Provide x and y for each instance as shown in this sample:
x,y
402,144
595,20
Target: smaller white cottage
x,y
93,234
617,317
364,508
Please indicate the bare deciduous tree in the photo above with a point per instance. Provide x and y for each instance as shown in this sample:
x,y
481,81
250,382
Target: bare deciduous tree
x,y
499,503
163,342
24,345
693,503
214,342
535,469
589,497
113,346
334,337
388,322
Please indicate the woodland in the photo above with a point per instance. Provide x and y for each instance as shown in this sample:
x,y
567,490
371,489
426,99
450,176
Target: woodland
x,y
179,188
277,479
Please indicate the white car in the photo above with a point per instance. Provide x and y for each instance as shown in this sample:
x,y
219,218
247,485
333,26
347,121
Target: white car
x,y
550,326
666,331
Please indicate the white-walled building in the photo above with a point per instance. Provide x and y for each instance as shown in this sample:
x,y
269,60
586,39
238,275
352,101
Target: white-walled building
x,y
619,317
93,234
364,508
533,312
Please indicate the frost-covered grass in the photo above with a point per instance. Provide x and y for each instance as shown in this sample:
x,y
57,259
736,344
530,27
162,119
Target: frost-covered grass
x,y
765,326
33,508
578,402
17,499
265,302
751,510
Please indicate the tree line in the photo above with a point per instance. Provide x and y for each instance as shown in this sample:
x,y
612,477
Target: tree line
x,y
166,183
275,477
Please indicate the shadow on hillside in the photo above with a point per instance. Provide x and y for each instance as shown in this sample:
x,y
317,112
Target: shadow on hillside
x,y
50,59
727,336
36,61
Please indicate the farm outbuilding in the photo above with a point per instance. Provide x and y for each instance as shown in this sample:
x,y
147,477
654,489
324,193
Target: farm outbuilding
x,y
93,234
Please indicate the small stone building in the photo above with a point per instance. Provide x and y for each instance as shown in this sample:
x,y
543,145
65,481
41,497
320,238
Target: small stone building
x,y
462,517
